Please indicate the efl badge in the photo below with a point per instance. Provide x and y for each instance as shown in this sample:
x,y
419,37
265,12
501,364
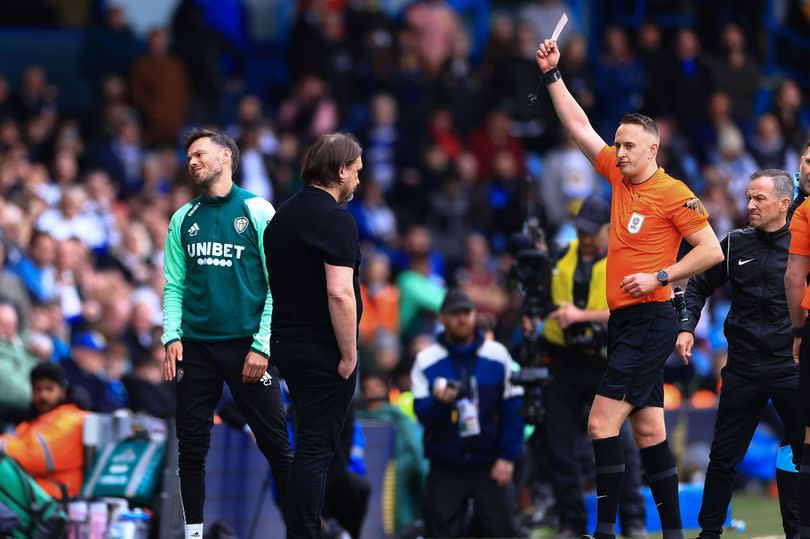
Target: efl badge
x,y
180,374
240,224
634,225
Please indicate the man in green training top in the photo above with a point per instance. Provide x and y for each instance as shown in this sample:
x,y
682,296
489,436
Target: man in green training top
x,y
216,318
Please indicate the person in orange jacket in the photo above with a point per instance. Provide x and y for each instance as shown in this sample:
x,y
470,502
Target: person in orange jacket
x,y
49,446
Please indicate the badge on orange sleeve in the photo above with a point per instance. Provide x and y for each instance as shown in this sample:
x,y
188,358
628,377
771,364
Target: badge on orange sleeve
x,y
696,205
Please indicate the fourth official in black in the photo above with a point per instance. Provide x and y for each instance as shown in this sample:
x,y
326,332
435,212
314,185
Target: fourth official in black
x,y
758,329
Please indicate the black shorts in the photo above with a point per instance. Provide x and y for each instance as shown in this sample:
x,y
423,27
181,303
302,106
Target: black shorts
x,y
804,373
641,338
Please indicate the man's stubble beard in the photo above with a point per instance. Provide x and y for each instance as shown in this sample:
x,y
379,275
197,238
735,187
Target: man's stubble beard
x,y
460,335
346,195
206,183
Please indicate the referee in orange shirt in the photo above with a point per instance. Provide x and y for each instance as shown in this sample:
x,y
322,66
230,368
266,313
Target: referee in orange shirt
x,y
798,297
650,213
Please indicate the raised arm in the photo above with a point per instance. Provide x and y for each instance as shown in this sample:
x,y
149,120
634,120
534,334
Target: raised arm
x,y
571,115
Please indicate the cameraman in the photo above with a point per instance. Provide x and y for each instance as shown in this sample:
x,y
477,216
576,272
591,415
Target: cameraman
x,y
576,339
473,430
760,364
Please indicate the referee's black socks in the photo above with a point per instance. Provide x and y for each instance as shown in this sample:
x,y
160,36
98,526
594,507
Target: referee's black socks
x,y
662,476
804,493
609,457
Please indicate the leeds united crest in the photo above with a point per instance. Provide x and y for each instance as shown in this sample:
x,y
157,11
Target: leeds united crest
x,y
240,224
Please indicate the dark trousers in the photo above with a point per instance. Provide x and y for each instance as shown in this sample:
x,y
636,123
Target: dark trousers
x,y
320,398
347,496
200,376
742,401
568,398
447,494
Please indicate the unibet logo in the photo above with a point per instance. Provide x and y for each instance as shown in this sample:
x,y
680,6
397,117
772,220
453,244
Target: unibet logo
x,y
128,455
214,253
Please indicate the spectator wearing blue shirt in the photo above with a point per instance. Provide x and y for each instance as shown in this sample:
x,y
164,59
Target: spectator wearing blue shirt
x,y
36,268
84,371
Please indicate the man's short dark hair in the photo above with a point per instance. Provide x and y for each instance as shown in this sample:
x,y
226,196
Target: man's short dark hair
x,y
48,371
782,181
323,160
220,139
37,235
640,119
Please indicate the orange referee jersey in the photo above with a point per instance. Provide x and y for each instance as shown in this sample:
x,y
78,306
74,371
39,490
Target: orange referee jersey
x,y
647,222
800,239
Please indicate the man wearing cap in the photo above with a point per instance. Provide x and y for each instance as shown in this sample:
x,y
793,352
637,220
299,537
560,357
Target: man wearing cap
x,y
49,446
473,430
576,338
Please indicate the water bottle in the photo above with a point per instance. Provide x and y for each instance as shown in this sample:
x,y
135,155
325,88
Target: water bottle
x,y
131,525
142,522
98,520
77,514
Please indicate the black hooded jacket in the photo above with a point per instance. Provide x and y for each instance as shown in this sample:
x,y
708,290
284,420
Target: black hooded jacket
x,y
757,326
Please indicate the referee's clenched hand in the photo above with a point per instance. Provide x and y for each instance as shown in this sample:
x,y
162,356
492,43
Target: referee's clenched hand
x,y
640,284
255,367
171,355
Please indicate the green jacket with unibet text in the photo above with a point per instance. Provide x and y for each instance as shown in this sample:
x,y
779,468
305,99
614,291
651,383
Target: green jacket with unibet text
x,y
216,279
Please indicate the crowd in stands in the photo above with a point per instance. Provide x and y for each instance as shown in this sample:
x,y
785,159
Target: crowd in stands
x,y
453,150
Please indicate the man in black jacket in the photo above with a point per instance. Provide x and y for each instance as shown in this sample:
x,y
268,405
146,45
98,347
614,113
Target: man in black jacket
x,y
760,365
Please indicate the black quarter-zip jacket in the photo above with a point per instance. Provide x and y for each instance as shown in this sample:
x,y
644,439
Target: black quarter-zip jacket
x,y
757,327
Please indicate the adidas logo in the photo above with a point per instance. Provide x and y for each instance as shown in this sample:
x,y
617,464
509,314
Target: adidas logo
x,y
195,534
266,379
192,231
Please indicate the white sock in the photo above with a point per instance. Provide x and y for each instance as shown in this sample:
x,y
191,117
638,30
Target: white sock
x,y
194,531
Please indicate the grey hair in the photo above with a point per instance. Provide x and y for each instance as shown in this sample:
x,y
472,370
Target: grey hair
x,y
782,181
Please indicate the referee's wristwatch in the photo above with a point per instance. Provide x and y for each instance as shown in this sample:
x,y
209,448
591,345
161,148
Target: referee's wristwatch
x,y
663,277
798,332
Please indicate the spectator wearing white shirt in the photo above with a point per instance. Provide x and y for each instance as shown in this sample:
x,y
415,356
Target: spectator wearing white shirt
x,y
70,220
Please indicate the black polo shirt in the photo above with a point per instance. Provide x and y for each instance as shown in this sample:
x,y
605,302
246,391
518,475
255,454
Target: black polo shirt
x,y
306,231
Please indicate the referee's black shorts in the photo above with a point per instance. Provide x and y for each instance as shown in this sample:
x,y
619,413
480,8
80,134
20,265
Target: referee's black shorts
x,y
641,338
804,372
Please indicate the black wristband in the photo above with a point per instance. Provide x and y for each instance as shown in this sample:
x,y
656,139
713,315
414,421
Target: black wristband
x,y
552,75
798,332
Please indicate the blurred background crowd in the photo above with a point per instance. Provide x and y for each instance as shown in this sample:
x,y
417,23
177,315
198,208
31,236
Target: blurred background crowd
x,y
95,97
